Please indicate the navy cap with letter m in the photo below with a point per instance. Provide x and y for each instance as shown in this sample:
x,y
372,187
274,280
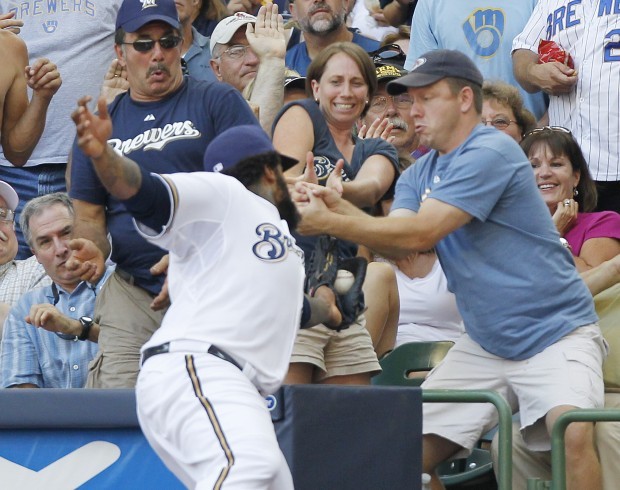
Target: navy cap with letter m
x,y
133,14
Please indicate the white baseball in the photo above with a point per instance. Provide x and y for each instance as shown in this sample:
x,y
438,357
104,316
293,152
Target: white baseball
x,y
344,281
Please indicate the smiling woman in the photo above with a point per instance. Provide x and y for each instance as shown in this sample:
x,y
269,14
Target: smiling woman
x,y
564,181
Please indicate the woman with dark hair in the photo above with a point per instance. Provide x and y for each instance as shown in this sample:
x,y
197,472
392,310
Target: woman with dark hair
x,y
341,80
567,188
503,108
319,131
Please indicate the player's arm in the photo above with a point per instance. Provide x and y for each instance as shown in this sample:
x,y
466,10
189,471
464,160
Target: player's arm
x,y
394,236
145,195
23,122
554,78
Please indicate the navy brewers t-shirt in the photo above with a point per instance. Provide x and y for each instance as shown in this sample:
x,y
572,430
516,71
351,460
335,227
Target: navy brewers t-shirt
x,y
166,136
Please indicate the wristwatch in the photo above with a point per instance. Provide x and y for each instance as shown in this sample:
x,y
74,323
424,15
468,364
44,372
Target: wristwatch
x,y
87,323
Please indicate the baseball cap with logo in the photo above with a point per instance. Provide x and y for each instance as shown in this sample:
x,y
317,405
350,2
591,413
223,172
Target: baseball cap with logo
x,y
238,143
133,14
226,28
434,66
9,195
386,72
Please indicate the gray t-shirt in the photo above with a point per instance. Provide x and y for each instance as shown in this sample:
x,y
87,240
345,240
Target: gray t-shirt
x,y
79,38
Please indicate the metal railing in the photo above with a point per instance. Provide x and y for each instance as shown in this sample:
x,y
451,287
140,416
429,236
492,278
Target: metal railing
x,y
558,455
504,478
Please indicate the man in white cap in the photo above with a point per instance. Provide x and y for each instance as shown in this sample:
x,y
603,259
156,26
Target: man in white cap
x,y
16,276
248,52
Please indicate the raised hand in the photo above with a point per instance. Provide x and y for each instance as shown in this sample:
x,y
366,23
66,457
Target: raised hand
x,y
93,130
115,81
9,23
267,37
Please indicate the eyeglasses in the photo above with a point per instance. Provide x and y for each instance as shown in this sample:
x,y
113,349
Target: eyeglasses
x,y
145,45
498,122
390,53
6,215
235,52
379,102
548,128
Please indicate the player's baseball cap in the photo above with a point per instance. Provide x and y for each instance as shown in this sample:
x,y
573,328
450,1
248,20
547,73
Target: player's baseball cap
x,y
434,66
238,143
226,28
387,72
133,14
9,195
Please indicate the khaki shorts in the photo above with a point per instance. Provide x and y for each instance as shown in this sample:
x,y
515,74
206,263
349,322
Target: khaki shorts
x,y
568,372
126,322
349,351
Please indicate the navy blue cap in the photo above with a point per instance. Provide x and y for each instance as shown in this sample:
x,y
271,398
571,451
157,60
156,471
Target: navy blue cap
x,y
434,66
238,143
133,14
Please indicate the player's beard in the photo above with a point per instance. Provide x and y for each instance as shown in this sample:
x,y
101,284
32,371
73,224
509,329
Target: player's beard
x,y
286,207
322,26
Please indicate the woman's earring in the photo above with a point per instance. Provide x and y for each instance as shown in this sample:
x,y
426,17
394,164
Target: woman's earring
x,y
575,192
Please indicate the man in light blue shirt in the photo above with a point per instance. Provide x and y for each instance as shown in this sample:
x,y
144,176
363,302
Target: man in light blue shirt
x,y
49,335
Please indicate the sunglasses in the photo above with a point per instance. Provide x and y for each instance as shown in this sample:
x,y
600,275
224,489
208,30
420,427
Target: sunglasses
x,y
559,129
380,102
145,45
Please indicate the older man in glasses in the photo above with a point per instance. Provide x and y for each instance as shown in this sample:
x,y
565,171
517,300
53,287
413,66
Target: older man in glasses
x,y
50,336
16,276
164,122
248,52
395,110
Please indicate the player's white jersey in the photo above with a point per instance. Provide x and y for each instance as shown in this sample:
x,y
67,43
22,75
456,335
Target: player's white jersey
x,y
590,31
235,277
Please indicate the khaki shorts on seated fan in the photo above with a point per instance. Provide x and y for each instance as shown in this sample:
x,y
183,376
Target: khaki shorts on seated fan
x,y
349,351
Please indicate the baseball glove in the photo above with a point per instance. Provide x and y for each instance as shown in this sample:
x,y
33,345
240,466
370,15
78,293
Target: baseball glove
x,y
323,270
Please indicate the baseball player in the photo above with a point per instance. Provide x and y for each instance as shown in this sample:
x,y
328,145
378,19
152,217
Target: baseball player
x,y
235,280
584,99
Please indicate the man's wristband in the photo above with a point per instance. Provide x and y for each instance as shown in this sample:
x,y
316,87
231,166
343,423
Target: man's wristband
x,y
87,324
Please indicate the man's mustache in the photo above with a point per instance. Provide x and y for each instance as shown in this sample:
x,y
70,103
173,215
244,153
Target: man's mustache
x,y
158,67
398,123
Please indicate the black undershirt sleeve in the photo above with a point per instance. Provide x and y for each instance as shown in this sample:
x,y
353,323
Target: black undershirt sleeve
x,y
151,206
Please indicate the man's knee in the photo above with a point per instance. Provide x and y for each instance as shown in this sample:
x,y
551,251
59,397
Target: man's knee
x,y
436,449
578,439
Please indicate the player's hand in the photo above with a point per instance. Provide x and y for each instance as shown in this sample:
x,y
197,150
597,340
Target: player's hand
x,y
565,215
48,317
115,81
93,131
554,78
380,128
43,78
9,23
267,37
86,260
162,300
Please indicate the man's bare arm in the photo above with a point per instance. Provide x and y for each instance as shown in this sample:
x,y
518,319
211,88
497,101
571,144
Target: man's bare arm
x,y
268,40
395,236
23,122
553,78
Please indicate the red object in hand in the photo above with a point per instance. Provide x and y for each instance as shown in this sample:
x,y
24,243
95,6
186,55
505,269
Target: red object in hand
x,y
549,51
